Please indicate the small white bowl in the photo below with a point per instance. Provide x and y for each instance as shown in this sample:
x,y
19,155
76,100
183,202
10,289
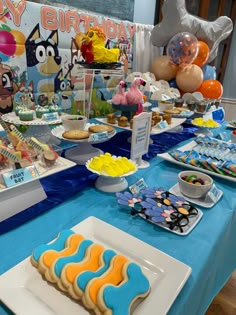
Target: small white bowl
x,y
192,190
74,122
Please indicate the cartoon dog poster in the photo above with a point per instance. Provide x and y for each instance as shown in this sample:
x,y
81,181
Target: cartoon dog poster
x,y
36,46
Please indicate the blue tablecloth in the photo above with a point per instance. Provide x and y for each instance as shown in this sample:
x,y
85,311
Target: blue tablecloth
x,y
208,249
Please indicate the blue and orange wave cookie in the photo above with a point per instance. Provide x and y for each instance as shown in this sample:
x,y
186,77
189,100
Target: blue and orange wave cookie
x,y
91,273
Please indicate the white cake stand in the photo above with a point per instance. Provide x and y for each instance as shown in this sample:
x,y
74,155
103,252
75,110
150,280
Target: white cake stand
x,y
111,184
85,150
37,127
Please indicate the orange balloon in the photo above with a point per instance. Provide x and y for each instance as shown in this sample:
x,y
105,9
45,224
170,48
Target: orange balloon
x,y
211,89
203,54
20,42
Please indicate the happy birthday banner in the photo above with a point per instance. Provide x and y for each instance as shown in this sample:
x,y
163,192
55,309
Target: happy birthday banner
x,y
39,49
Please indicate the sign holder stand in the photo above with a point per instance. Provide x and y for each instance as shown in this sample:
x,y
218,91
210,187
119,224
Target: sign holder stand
x,y
19,198
140,138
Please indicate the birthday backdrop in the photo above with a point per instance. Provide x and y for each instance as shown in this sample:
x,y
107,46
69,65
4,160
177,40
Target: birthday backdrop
x,y
39,52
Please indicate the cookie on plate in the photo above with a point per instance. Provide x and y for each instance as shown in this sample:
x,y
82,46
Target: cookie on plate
x,y
100,128
171,111
75,134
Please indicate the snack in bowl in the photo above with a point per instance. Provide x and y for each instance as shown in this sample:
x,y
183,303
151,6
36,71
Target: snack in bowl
x,y
194,184
75,134
73,122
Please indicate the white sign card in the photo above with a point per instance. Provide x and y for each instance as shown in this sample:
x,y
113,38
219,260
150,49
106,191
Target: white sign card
x,y
140,138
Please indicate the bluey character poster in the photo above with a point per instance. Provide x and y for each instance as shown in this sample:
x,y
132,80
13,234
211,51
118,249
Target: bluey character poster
x,y
39,52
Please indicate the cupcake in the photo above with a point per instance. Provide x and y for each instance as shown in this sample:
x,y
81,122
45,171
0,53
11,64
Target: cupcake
x,y
40,110
167,118
55,109
111,119
17,108
123,121
26,114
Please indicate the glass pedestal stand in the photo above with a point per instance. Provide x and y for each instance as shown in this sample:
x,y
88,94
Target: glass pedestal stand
x,y
82,153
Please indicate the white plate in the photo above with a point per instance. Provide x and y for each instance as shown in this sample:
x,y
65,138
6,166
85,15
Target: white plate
x,y
155,130
60,165
13,119
167,157
203,202
193,221
24,291
58,131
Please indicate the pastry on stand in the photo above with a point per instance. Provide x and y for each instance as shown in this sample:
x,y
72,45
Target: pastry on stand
x,y
92,134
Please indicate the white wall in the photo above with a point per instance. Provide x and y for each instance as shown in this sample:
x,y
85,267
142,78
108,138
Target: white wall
x,y
144,11
229,83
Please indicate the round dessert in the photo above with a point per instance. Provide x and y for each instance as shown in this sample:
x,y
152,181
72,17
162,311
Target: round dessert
x,y
55,109
123,121
111,119
100,128
17,108
167,118
40,110
171,111
75,134
26,114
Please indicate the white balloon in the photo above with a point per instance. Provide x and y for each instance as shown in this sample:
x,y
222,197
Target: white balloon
x,y
176,19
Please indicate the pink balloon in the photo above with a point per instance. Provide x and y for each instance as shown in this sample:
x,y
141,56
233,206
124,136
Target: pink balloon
x,y
7,43
189,78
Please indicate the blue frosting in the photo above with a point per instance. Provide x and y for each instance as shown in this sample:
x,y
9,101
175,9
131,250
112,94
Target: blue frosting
x,y
77,257
119,298
86,276
57,245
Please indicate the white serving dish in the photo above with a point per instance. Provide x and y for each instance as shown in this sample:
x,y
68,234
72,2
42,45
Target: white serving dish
x,y
24,291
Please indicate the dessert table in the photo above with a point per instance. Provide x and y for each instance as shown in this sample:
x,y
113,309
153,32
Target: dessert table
x,y
208,249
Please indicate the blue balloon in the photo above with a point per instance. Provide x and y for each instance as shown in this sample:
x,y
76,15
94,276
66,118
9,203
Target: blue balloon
x,y
173,84
209,73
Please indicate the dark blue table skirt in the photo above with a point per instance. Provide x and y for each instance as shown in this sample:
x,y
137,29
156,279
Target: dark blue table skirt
x,y
62,186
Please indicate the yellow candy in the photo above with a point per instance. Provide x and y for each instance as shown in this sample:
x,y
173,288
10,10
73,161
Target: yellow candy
x,y
96,164
107,164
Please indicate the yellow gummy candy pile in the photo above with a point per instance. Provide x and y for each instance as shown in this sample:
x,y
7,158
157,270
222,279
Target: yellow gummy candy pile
x,y
106,164
210,123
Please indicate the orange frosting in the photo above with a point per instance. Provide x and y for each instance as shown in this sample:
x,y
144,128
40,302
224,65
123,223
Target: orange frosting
x,y
72,246
92,263
113,276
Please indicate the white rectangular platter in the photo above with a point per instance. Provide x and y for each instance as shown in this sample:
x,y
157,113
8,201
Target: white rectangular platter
x,y
24,291
155,130
166,156
60,165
